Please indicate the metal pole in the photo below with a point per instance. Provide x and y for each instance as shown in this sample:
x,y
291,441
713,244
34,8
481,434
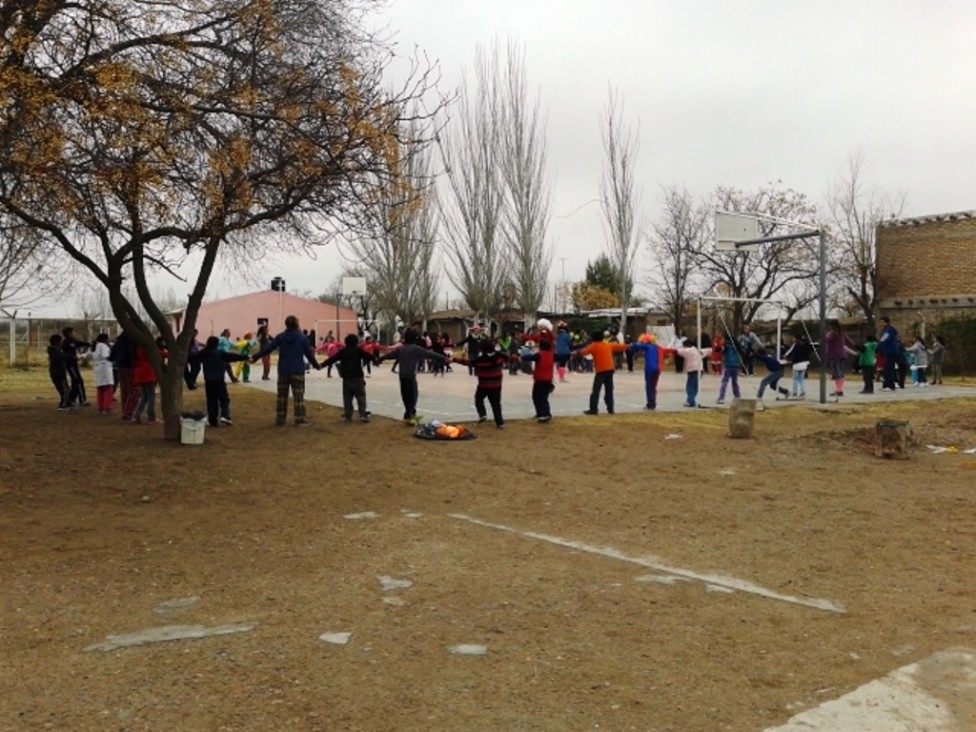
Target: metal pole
x,y
823,317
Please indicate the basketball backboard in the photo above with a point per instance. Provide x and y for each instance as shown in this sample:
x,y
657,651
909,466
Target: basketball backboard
x,y
731,228
355,286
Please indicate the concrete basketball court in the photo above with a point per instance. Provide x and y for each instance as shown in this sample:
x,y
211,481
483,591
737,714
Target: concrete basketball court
x,y
451,398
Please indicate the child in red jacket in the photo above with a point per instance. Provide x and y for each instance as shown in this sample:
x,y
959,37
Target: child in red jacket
x,y
542,380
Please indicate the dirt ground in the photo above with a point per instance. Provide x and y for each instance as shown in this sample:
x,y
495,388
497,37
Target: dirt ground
x,y
619,577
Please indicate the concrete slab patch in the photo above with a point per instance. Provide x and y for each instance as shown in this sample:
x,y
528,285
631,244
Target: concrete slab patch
x,y
171,607
661,579
336,639
364,516
389,583
937,694
165,634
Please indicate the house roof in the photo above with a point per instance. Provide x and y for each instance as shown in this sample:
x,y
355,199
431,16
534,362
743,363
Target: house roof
x,y
931,219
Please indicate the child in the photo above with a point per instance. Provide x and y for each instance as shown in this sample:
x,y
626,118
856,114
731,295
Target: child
x,y
245,346
562,350
937,353
542,385
652,367
214,363
730,370
104,376
921,354
350,362
693,366
775,368
488,367
58,371
601,354
798,354
144,377
409,355
867,362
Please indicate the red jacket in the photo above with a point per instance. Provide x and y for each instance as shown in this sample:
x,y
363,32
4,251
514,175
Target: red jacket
x,y
543,366
143,372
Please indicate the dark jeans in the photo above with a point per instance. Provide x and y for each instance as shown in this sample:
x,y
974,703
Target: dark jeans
x,y
408,394
354,388
650,387
888,373
540,398
691,388
218,401
868,373
76,394
494,397
61,384
191,373
602,380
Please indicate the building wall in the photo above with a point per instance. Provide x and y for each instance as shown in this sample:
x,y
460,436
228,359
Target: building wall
x,y
927,267
241,314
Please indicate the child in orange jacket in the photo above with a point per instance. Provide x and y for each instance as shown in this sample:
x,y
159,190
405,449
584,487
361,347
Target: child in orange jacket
x,y
603,369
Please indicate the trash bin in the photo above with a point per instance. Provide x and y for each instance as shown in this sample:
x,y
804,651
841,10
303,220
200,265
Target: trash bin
x,y
192,427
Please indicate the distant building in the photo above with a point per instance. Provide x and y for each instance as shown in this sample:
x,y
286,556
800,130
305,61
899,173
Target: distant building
x,y
926,267
243,314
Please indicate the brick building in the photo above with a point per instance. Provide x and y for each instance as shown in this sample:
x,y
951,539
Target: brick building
x,y
927,268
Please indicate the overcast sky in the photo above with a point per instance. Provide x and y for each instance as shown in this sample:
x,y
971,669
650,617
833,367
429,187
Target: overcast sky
x,y
726,92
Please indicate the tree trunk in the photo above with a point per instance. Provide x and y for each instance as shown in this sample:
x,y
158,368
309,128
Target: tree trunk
x,y
171,395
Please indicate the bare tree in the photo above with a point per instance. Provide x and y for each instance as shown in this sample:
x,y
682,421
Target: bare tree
x,y
139,134
854,211
676,241
619,196
524,170
28,272
776,270
473,207
397,256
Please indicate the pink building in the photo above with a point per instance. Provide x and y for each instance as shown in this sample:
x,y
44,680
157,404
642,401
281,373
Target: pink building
x,y
243,314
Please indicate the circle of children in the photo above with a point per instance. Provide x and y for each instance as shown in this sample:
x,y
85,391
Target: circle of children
x,y
545,352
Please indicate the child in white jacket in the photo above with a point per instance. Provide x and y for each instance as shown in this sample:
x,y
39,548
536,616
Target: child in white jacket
x,y
104,376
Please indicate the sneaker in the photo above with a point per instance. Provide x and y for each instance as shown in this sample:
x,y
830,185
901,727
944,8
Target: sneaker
x,y
347,419
543,420
500,426
482,419
590,411
303,423
649,407
366,417
226,421
136,420
153,421
64,409
720,401
687,404
610,411
886,388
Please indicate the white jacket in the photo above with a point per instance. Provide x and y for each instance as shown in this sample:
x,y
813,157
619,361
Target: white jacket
x,y
102,365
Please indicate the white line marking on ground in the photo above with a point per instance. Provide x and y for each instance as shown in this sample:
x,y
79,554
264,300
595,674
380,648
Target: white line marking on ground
x,y
730,583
